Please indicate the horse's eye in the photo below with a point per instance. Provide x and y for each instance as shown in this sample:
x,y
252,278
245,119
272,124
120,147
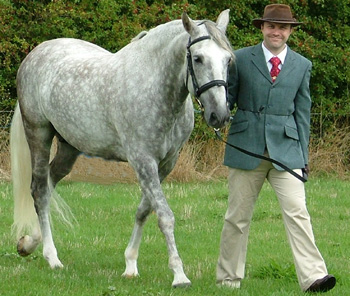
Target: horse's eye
x,y
198,59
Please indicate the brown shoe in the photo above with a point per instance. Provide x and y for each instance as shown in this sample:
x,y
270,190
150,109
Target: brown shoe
x,y
323,285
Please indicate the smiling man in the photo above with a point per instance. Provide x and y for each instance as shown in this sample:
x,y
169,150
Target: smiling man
x,y
269,86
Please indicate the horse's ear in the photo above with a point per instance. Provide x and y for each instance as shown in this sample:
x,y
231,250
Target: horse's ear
x,y
188,24
223,20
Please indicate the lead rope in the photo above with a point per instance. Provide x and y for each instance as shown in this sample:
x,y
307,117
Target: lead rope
x,y
301,178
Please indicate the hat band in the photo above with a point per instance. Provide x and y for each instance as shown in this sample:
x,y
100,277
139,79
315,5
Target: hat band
x,y
278,20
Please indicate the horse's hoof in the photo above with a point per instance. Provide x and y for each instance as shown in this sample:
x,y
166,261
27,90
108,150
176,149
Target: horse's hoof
x,y
21,250
56,264
26,245
130,276
182,285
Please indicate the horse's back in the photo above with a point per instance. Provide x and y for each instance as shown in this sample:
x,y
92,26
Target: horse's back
x,y
64,47
52,61
45,60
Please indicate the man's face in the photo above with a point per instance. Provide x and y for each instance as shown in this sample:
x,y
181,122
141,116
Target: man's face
x,y
275,35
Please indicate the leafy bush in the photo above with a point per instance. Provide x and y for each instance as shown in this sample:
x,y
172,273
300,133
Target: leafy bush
x,y
324,38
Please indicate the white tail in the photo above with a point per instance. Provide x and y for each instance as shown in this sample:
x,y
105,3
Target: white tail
x,y
25,217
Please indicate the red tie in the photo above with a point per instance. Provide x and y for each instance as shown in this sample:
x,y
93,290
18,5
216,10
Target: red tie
x,y
275,61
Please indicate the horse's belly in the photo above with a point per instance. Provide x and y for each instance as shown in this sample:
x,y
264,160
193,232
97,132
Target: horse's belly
x,y
92,138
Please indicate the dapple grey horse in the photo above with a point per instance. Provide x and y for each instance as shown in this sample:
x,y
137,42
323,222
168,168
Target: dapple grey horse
x,y
133,105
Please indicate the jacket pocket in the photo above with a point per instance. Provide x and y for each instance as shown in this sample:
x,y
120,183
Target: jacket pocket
x,y
238,127
291,132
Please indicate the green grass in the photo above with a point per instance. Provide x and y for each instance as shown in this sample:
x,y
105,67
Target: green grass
x,y
93,252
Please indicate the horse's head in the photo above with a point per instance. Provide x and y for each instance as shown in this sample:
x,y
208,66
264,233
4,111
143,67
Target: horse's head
x,y
208,56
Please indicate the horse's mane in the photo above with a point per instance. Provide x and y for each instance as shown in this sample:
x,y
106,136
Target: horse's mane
x,y
218,36
139,36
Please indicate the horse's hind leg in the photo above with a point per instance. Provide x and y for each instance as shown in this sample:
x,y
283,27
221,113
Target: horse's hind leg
x,y
59,167
39,141
132,250
63,162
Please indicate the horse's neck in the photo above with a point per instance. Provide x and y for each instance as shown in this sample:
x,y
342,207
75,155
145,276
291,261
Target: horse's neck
x,y
163,50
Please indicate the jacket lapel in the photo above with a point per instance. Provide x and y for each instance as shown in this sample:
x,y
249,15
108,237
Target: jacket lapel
x,y
258,59
288,66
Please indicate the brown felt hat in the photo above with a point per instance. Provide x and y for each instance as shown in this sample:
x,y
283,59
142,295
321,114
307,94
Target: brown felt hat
x,y
276,13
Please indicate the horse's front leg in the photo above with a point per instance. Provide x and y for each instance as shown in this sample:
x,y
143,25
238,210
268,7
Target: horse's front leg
x,y
166,222
149,180
175,263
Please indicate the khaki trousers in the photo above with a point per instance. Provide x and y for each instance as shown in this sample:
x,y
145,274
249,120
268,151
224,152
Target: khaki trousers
x,y
244,188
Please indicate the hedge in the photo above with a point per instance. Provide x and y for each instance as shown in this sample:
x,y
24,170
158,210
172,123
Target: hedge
x,y
324,37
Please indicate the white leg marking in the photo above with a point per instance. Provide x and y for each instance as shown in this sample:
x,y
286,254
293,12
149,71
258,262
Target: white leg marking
x,y
49,249
132,252
180,279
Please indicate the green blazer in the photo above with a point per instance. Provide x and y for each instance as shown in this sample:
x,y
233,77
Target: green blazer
x,y
273,116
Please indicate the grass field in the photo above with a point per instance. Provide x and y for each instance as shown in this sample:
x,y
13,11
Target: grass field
x,y
93,251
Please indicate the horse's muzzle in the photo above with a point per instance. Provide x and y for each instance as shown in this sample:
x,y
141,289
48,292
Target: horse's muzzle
x,y
216,121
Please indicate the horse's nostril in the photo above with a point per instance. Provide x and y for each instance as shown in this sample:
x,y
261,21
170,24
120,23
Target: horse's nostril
x,y
213,117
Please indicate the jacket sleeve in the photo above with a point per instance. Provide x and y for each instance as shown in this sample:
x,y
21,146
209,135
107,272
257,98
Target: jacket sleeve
x,y
302,112
233,85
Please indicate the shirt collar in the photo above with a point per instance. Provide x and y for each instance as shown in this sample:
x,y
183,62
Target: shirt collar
x,y
269,55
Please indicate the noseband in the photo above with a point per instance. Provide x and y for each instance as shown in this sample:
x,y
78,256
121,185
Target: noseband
x,y
198,90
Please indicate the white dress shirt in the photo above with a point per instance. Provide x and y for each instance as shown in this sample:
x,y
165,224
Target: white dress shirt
x,y
269,55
